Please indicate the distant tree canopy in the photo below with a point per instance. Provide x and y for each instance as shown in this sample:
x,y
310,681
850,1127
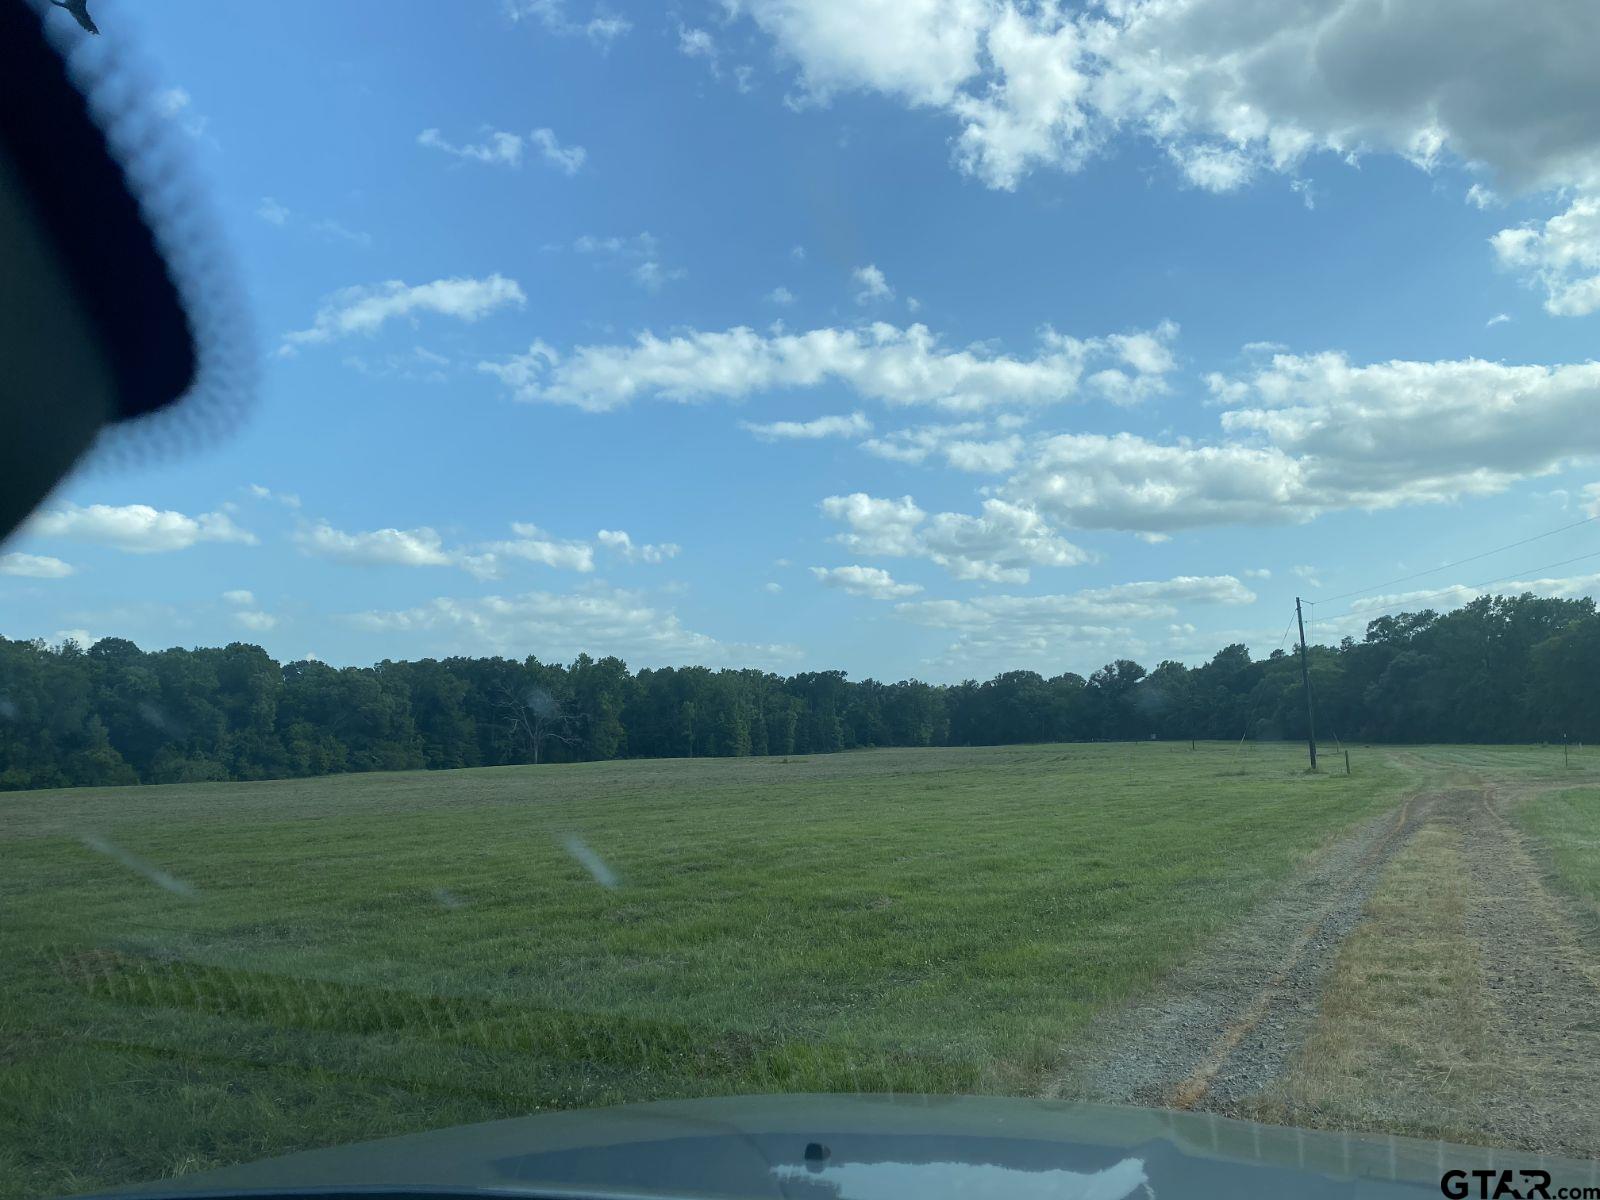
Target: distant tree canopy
x,y
1501,669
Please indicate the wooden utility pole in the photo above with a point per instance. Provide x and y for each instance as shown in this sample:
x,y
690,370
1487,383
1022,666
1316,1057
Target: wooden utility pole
x,y
1305,684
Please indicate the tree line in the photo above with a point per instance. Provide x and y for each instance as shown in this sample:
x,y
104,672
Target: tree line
x,y
1500,669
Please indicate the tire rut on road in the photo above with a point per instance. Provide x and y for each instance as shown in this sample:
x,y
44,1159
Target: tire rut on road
x,y
1225,1024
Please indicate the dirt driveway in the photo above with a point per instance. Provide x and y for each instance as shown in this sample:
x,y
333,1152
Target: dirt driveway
x,y
1416,977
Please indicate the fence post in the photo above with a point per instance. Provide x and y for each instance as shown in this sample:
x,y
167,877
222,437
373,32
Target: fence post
x,y
1347,762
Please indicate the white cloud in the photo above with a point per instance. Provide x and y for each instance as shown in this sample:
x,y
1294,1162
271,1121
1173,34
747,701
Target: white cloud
x,y
1315,434
259,622
872,283
423,547
1497,319
872,582
1137,601
878,361
780,295
1212,168
1229,87
1312,575
287,499
643,251
854,425
498,147
416,365
772,588
696,43
387,547
595,620
602,28
1257,573
83,637
567,159
1562,256
997,546
333,231
136,528
964,445
34,566
798,253
273,213
365,309
532,544
1012,629
877,526
1481,197
243,597
651,275
618,542
177,106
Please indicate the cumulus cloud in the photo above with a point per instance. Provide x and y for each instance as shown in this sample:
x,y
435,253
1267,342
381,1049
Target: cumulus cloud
x,y
602,28
177,106
567,159
595,620
258,622
243,597
1562,256
137,528
365,309
872,582
879,362
872,283
1137,601
619,543
1228,88
273,213
378,547
502,148
498,147
1013,629
529,543
997,546
964,445
641,255
34,566
423,547
854,425
780,295
260,492
1316,433
696,43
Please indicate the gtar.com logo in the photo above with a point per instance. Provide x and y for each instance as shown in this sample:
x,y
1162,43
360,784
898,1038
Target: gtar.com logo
x,y
1486,1184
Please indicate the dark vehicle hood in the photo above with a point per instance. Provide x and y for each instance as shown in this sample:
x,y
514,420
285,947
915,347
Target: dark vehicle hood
x,y
871,1147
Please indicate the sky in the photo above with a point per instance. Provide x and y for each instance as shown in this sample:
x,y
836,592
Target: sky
x,y
913,338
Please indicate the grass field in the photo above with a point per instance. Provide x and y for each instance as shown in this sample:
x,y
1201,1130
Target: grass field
x,y
359,956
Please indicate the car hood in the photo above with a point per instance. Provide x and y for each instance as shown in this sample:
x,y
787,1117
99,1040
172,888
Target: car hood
x,y
870,1147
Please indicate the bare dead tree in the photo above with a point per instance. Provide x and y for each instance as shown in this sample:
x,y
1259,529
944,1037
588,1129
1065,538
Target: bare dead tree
x,y
533,716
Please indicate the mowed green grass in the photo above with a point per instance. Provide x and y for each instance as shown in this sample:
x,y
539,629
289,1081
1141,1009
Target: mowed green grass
x,y
369,955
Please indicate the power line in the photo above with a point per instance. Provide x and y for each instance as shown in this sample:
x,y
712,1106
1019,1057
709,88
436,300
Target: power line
x,y
1458,563
1285,636
1444,591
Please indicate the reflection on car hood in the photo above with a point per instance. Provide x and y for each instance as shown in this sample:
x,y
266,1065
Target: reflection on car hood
x,y
875,1147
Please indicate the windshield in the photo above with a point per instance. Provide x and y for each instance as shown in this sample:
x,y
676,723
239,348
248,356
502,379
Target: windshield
x,y
805,546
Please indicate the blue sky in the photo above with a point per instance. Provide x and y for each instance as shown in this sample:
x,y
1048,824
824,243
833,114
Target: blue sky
x,y
917,339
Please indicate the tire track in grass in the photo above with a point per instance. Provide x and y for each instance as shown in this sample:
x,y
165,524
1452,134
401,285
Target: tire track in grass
x,y
1227,1022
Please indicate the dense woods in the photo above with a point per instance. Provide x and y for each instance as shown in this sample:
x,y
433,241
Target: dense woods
x,y
1501,669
